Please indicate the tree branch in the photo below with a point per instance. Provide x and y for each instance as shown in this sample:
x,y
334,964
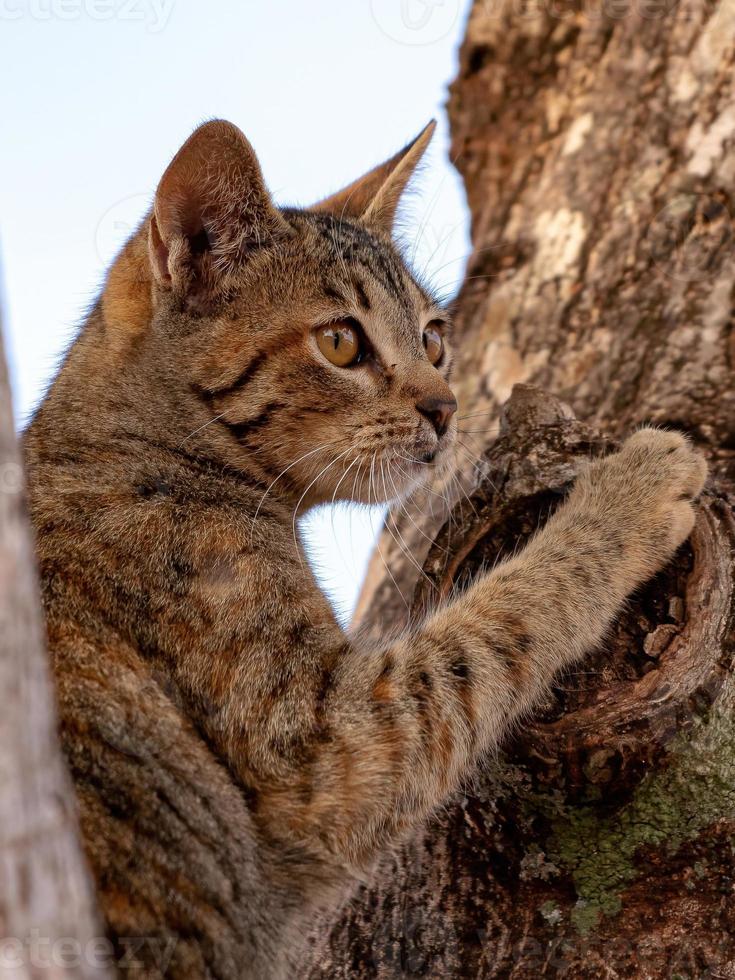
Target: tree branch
x,y
47,917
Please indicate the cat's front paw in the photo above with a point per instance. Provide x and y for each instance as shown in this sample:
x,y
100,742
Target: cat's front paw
x,y
668,475
648,490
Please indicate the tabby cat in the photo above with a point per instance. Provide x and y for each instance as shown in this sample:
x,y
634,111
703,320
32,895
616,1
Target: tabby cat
x,y
240,761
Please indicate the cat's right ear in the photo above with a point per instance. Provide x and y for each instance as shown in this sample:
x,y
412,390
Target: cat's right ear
x,y
374,197
212,211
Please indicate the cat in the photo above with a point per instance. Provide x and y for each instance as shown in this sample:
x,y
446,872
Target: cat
x,y
239,760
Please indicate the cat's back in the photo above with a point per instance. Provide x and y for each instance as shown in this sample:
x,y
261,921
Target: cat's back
x,y
181,878
186,886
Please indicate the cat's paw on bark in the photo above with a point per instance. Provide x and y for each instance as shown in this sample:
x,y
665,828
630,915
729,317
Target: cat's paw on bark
x,y
673,473
647,490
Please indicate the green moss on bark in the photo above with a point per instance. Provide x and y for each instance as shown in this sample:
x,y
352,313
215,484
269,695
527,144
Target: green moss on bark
x,y
676,804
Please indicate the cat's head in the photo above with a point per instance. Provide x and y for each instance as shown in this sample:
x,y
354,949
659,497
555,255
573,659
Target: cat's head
x,y
303,346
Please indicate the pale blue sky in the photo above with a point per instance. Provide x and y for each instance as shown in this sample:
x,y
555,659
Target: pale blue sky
x,y
97,95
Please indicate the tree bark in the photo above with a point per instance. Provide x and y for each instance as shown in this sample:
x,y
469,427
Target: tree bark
x,y
595,145
47,924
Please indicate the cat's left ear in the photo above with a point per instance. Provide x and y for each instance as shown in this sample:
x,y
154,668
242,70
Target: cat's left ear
x,y
212,211
374,197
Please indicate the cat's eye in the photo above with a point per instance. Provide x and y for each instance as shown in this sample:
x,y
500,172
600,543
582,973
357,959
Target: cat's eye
x,y
340,343
433,344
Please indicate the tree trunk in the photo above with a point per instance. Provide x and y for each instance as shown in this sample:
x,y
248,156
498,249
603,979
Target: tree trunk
x,y
595,148
47,925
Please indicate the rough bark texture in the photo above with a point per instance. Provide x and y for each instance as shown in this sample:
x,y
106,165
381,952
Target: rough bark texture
x,y
47,924
596,150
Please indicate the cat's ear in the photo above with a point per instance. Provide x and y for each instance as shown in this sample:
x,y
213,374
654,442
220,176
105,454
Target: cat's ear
x,y
374,197
212,210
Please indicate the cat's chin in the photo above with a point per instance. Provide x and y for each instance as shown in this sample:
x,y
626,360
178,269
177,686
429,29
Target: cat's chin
x,y
395,490
383,480
423,469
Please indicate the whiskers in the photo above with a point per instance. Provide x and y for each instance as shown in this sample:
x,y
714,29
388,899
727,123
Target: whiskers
x,y
377,540
384,470
391,521
201,429
413,488
284,471
322,472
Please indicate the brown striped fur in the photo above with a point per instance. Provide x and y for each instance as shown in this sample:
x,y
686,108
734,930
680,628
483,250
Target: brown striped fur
x,y
239,760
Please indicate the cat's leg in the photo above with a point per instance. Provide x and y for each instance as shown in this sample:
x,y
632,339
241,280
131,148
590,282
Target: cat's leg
x,y
401,726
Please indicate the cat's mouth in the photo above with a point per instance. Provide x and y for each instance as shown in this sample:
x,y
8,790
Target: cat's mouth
x,y
428,458
428,450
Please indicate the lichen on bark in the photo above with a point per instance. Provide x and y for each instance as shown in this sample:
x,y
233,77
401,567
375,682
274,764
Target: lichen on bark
x,y
693,792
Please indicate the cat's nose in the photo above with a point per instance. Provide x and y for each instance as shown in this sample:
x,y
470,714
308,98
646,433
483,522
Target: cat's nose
x,y
438,411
